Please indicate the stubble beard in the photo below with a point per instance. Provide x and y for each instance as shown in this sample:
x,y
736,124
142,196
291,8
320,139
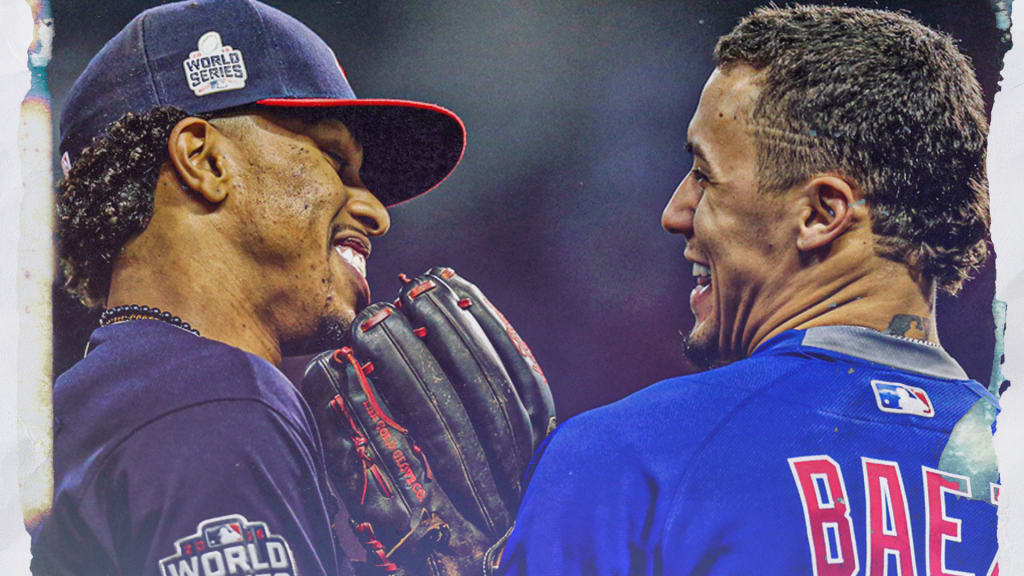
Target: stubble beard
x,y
331,332
701,348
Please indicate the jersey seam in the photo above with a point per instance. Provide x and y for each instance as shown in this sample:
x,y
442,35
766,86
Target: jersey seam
x,y
707,440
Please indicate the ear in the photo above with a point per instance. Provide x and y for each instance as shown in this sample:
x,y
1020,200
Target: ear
x,y
197,150
829,211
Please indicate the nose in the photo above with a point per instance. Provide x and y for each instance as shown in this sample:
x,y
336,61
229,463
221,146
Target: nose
x,y
366,209
677,217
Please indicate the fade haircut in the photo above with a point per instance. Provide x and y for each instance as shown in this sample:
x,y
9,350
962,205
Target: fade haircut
x,y
881,99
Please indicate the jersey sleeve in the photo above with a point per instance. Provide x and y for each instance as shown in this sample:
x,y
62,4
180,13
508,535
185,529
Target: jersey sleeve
x,y
223,487
585,509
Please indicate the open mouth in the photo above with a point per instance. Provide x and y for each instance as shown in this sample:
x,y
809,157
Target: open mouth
x,y
353,253
700,296
702,273
352,257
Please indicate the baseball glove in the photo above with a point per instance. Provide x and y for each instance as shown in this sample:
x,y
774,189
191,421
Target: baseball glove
x,y
429,419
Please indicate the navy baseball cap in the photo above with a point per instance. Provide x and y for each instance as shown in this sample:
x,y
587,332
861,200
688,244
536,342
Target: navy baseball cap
x,y
209,55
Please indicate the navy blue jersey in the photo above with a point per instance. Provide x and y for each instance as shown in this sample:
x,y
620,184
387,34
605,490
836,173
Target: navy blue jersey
x,y
175,455
826,452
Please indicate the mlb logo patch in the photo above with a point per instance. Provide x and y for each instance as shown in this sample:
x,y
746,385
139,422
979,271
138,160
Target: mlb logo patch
x,y
221,534
899,398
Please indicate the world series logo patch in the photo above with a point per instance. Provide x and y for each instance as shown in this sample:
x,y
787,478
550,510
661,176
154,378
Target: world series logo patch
x,y
230,545
899,398
214,67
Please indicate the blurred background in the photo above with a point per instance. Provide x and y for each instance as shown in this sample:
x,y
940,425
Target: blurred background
x,y
576,115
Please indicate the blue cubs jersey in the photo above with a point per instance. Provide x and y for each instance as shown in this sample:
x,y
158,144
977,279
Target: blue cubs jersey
x,y
175,455
832,451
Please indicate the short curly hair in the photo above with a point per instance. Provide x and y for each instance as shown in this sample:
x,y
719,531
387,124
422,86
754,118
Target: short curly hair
x,y
107,198
881,98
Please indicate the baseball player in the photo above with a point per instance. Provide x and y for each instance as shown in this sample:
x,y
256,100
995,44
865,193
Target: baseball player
x,y
222,188
838,181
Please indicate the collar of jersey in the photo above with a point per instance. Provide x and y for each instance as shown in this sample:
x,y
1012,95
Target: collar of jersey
x,y
872,346
130,329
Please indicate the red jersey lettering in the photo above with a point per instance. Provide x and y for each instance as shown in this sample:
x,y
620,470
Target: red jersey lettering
x,y
888,518
941,528
826,515
993,490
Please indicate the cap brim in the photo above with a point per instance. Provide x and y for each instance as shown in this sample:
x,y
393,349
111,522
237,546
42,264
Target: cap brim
x,y
408,147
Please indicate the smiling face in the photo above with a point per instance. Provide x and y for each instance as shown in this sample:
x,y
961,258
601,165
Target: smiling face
x,y
739,240
304,223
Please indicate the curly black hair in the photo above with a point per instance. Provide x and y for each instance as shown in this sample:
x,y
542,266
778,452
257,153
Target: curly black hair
x,y
883,99
107,198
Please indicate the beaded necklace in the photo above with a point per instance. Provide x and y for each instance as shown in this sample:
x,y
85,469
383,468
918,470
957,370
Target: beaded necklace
x,y
119,314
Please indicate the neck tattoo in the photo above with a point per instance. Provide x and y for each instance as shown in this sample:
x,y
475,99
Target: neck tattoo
x,y
911,328
128,312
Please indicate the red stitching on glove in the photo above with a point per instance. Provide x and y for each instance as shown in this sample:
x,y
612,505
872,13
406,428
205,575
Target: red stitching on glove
x,y
423,458
424,286
375,547
360,441
365,385
377,318
338,404
381,481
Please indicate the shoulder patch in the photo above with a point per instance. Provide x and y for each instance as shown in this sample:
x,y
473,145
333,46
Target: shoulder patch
x,y
898,398
229,545
214,67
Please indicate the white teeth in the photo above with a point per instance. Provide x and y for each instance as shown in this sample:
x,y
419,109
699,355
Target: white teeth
x,y
701,270
354,259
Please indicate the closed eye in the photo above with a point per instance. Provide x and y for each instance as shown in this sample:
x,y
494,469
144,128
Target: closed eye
x,y
336,161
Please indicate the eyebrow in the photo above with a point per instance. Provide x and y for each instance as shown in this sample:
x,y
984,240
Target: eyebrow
x,y
695,150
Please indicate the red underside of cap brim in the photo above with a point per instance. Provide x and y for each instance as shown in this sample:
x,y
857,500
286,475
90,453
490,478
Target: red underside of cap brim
x,y
377,103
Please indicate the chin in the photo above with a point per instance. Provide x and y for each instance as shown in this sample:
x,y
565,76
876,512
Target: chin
x,y
331,332
700,347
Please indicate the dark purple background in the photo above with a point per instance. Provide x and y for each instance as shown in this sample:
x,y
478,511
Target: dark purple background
x,y
576,117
